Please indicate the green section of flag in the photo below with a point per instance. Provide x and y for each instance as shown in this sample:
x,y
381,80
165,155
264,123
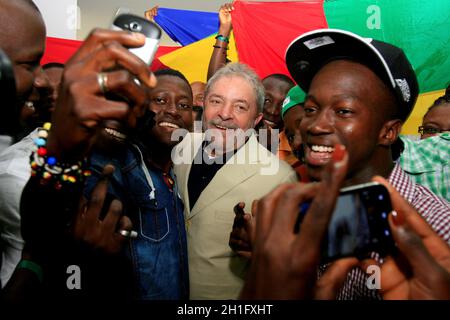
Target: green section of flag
x,y
421,28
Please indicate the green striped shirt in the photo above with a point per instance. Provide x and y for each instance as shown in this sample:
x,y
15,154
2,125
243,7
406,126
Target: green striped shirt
x,y
427,163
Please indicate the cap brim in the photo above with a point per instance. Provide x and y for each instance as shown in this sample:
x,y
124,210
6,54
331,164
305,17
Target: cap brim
x,y
308,53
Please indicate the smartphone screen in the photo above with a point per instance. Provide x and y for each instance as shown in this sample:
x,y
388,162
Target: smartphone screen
x,y
359,224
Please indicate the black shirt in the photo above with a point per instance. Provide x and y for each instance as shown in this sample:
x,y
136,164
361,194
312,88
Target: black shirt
x,y
202,172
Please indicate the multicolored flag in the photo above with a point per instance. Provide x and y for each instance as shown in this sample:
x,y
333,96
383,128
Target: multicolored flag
x,y
187,26
263,31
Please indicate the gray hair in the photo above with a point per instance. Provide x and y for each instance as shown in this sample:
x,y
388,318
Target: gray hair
x,y
240,70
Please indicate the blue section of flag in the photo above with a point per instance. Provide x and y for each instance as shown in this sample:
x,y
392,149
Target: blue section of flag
x,y
187,26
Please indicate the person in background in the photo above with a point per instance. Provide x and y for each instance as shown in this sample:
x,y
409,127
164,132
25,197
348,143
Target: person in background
x,y
54,72
198,92
276,87
150,14
45,106
290,147
437,118
219,54
427,161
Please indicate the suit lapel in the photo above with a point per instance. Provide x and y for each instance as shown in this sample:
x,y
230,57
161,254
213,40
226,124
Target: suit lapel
x,y
193,143
238,168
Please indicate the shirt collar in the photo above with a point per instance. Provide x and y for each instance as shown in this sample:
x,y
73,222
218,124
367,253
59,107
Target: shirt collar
x,y
402,183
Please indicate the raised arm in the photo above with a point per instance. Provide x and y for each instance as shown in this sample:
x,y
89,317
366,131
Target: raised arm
x,y
219,54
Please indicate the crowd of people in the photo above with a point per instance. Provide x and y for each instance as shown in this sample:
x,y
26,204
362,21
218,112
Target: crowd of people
x,y
161,189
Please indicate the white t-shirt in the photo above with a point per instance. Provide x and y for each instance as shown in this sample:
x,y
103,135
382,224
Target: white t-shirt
x,y
5,142
15,172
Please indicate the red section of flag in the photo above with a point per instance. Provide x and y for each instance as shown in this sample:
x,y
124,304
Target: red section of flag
x,y
60,50
263,31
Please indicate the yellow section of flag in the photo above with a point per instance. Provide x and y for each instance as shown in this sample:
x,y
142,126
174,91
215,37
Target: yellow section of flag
x,y
424,101
193,60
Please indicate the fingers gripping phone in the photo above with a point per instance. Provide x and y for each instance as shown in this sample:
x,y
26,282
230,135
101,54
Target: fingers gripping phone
x,y
148,28
359,224
146,53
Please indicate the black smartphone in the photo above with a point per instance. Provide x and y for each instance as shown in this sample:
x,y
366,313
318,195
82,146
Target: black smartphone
x,y
359,224
148,28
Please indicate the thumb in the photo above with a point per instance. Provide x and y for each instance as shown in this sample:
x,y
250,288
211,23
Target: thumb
x,y
413,249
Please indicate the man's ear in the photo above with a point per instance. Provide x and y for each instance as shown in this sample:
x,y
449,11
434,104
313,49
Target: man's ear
x,y
390,132
257,119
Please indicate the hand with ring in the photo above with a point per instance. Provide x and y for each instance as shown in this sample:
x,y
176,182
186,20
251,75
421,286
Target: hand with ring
x,y
103,64
102,79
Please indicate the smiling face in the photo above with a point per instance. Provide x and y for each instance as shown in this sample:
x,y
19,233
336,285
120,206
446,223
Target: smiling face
x,y
171,101
22,37
231,104
275,92
348,104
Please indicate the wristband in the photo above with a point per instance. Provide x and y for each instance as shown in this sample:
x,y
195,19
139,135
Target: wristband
x,y
219,47
32,266
49,170
222,38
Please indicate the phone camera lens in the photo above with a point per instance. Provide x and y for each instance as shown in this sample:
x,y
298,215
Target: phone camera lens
x,y
135,26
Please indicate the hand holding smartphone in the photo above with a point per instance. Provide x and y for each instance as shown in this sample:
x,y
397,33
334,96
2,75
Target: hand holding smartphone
x,y
146,53
359,224
148,28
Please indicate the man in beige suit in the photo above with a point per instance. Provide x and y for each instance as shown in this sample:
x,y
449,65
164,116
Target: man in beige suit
x,y
214,177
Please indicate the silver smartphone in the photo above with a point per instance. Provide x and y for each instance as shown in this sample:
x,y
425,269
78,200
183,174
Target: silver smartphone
x,y
148,28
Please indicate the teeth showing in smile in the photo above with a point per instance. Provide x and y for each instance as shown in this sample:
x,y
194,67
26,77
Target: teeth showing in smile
x,y
116,134
168,124
317,148
220,127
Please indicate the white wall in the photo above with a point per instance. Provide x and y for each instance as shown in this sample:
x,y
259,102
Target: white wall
x,y
65,20
99,13
61,17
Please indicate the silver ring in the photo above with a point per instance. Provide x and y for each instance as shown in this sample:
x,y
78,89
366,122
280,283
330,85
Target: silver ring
x,y
128,234
102,79
30,105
